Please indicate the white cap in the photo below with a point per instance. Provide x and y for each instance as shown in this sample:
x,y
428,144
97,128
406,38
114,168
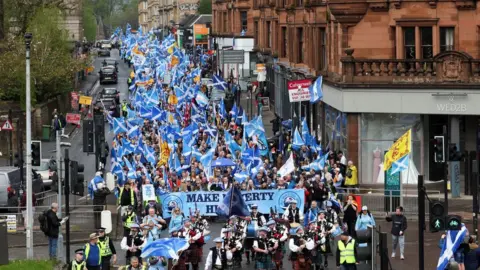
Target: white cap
x,y
364,208
100,185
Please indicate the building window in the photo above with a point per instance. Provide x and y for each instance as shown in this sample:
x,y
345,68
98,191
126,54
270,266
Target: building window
x,y
284,42
409,42
243,20
255,4
322,53
426,42
255,32
283,3
225,22
300,54
269,33
299,3
446,38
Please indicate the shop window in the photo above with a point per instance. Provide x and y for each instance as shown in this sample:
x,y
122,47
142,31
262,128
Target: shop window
x,y
426,42
409,42
255,32
447,39
243,20
322,53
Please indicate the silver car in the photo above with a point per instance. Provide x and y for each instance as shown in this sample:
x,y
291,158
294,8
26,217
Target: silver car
x,y
46,170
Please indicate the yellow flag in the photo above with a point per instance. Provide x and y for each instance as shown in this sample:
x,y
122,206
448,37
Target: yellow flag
x,y
402,147
175,61
173,100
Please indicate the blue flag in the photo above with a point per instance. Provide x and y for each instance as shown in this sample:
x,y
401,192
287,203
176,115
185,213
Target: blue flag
x,y
315,89
451,242
297,140
233,204
219,82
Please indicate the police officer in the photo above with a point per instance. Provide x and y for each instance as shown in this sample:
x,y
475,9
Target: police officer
x,y
347,252
218,256
124,108
93,258
107,249
78,263
128,219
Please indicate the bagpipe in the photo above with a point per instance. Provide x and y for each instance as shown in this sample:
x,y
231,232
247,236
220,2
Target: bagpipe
x,y
200,225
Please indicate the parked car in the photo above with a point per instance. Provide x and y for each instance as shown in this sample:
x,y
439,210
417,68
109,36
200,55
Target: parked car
x,y
106,44
109,104
10,179
110,62
108,74
104,52
47,170
110,93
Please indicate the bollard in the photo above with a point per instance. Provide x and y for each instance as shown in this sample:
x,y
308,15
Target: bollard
x,y
383,251
4,241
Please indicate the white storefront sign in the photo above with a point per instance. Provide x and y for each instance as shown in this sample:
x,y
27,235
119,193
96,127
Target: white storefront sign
x,y
298,90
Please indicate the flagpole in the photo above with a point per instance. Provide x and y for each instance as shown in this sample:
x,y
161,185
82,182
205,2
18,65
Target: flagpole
x,y
231,202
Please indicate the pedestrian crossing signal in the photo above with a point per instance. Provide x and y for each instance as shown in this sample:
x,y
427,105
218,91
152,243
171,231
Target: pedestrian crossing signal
x,y
453,222
437,216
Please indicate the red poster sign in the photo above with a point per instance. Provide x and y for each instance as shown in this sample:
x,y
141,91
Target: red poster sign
x,y
298,90
74,118
74,95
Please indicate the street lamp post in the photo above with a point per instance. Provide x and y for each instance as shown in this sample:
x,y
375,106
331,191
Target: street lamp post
x,y
28,160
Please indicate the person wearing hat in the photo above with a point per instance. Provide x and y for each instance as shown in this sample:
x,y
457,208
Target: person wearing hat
x,y
364,220
127,196
325,227
258,220
93,258
128,218
263,250
234,245
300,255
78,263
330,213
293,214
347,252
157,263
218,256
278,233
132,243
107,249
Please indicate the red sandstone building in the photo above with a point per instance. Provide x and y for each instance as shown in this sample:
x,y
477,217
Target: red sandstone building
x,y
388,66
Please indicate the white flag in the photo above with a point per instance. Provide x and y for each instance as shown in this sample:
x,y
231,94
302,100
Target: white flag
x,y
288,167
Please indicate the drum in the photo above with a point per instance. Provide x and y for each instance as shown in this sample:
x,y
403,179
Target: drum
x,y
251,230
310,245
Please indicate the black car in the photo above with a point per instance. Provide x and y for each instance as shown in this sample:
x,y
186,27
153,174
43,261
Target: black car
x,y
108,74
110,105
104,52
110,93
110,62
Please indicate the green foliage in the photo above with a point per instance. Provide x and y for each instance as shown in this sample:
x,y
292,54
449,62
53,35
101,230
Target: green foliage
x,y
128,14
52,64
205,7
89,21
29,264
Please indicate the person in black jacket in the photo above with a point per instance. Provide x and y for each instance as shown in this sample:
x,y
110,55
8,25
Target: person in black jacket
x,y
399,225
99,201
54,224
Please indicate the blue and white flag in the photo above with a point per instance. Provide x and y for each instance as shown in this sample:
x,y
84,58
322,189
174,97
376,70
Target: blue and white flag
x,y
119,125
316,92
400,165
219,82
233,204
453,239
165,247
298,142
201,99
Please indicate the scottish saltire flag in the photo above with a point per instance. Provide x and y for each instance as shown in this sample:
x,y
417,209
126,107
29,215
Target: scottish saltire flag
x,y
240,177
316,92
165,247
221,108
306,132
131,171
400,165
297,140
453,239
118,171
201,99
311,215
119,125
233,204
219,82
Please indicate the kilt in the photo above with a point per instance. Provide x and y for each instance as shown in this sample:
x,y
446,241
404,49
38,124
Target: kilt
x,y
248,244
193,254
181,265
267,265
316,257
302,266
278,255
231,266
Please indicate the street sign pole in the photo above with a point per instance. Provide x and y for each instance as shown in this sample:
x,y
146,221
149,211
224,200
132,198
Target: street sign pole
x,y
59,197
67,205
421,222
10,137
474,189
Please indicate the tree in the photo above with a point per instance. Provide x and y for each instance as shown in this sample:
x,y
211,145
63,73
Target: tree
x,y
52,65
205,7
2,25
89,21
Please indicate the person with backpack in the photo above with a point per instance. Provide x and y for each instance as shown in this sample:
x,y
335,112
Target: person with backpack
x,y
50,226
364,220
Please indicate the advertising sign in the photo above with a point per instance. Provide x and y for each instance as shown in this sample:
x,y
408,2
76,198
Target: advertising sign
x,y
73,118
85,100
298,90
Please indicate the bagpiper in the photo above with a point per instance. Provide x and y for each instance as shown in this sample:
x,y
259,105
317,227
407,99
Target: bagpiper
x,y
293,214
180,263
234,245
277,237
300,247
263,250
325,228
195,239
256,220
218,256
318,237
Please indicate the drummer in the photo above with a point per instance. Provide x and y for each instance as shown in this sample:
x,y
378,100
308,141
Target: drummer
x,y
299,247
293,214
256,220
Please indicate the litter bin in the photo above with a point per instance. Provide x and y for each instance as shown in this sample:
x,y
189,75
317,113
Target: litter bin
x,y
46,132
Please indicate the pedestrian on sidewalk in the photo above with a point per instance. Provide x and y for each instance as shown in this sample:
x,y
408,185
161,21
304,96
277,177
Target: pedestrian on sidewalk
x,y
54,224
399,225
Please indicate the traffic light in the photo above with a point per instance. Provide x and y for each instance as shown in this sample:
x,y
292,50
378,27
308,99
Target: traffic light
x,y
364,250
454,154
77,178
453,222
439,149
36,154
437,216
88,136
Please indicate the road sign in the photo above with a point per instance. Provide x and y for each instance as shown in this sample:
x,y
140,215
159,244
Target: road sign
x,y
85,100
7,125
73,118
233,56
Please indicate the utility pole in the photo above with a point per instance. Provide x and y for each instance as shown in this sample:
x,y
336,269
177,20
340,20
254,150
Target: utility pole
x,y
474,189
445,164
59,196
10,137
67,205
421,222
28,112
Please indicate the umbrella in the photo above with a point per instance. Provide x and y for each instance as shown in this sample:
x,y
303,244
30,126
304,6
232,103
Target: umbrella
x,y
165,247
223,162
